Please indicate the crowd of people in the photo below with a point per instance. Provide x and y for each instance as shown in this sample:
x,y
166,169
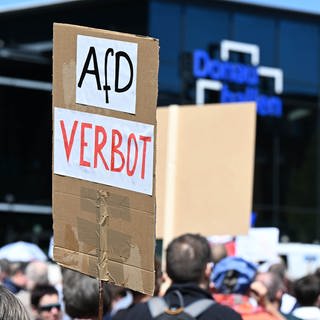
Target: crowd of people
x,y
200,282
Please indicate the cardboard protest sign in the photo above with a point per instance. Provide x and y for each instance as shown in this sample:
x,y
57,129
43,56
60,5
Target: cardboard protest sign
x,y
104,129
205,162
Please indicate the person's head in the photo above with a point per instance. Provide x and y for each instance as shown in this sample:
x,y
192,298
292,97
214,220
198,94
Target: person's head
x,y
4,269
158,276
45,302
218,252
280,269
188,259
274,284
233,275
37,273
317,272
307,290
11,308
17,274
81,295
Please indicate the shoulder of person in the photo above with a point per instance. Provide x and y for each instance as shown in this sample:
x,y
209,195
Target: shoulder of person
x,y
120,314
222,312
138,311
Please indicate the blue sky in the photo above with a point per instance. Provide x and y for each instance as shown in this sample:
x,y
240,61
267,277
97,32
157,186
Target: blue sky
x,y
8,5
310,6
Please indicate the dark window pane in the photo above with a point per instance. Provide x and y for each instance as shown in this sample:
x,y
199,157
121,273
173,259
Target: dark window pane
x,y
297,160
25,145
204,26
257,30
299,57
164,24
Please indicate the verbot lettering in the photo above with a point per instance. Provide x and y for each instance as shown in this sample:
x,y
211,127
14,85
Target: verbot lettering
x,y
103,149
100,134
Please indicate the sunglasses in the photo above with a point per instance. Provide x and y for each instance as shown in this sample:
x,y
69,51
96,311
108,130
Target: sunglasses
x,y
49,307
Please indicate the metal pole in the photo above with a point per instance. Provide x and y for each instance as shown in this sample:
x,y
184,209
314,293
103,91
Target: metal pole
x,y
275,180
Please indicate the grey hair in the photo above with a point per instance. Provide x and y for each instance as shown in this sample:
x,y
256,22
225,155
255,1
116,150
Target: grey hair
x,y
37,273
11,308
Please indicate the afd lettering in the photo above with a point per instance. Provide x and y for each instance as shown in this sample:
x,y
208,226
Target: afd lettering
x,y
110,56
236,73
106,72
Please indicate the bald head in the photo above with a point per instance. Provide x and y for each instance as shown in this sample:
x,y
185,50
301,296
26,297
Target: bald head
x,y
218,252
273,283
37,273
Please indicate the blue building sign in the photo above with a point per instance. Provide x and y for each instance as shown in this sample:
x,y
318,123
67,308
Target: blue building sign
x,y
221,75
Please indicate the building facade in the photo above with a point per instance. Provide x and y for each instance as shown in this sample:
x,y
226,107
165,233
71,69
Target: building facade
x,y
210,51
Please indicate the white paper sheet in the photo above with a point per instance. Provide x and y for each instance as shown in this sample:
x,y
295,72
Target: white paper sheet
x,y
103,149
259,245
100,62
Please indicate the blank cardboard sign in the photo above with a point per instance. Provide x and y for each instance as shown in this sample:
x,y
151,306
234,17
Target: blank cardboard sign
x,y
104,127
205,162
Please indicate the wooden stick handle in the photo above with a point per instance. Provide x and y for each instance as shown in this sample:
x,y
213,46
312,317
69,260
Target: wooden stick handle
x,y
100,300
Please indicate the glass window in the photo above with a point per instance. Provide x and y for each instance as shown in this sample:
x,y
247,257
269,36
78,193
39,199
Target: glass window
x,y
165,24
285,185
35,228
204,26
299,56
298,153
25,145
257,30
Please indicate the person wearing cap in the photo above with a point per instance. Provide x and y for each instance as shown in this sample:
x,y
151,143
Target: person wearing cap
x,y
45,303
234,286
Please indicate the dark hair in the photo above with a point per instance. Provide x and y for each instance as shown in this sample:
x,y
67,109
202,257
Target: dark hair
x,y
41,290
230,282
187,257
11,308
158,275
317,272
81,295
279,269
4,266
17,267
307,290
233,275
